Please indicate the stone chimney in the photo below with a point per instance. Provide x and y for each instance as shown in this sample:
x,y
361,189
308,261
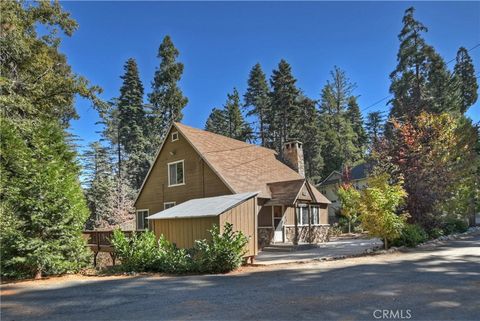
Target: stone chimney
x,y
293,156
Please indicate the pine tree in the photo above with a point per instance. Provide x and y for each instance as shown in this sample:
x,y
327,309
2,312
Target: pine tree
x,y
217,122
42,198
311,137
257,100
229,121
99,181
43,209
421,81
339,146
167,100
375,124
356,120
284,107
133,126
464,73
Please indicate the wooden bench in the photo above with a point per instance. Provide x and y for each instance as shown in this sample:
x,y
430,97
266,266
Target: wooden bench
x,y
99,241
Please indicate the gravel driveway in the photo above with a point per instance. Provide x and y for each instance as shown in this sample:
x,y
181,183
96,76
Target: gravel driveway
x,y
432,283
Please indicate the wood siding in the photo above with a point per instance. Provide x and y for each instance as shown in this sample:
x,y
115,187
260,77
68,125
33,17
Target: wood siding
x,y
244,219
324,214
289,216
184,231
200,180
265,216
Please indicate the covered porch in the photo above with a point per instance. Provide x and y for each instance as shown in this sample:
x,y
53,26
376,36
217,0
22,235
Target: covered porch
x,y
294,214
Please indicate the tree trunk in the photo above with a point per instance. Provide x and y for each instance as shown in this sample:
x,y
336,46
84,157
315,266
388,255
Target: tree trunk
x,y
349,227
38,275
385,243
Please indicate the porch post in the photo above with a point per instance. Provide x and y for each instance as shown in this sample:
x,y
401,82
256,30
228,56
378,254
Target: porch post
x,y
310,224
295,236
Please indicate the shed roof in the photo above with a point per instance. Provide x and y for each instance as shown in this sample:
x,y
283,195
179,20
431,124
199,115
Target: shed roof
x,y
203,207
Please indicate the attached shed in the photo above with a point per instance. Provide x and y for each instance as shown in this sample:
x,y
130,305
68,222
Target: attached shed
x,y
191,220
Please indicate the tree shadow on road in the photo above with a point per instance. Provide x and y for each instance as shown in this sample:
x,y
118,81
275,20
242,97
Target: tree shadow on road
x,y
436,286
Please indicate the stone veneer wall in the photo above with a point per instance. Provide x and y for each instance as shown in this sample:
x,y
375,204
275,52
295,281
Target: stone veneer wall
x,y
265,236
308,234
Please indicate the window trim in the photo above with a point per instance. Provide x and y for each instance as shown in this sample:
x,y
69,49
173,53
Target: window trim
x,y
143,220
168,172
298,213
165,203
176,134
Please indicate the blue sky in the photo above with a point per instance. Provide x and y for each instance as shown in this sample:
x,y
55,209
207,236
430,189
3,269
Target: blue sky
x,y
219,42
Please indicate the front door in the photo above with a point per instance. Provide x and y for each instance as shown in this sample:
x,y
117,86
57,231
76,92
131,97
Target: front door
x,y
278,224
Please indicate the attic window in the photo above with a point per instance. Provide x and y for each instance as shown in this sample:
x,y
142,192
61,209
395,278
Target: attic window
x,y
174,136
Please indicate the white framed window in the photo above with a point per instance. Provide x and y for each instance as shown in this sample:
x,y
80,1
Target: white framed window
x,y
142,222
314,215
176,173
168,205
174,136
302,215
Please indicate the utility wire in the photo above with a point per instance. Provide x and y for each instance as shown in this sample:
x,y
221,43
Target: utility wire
x,y
386,97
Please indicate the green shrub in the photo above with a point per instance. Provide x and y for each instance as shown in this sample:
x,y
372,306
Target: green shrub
x,y
171,259
435,232
454,225
143,252
223,253
139,252
411,236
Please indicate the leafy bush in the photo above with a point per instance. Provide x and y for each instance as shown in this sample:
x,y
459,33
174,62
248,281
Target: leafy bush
x,y
143,252
223,253
454,225
435,232
139,252
411,236
378,205
171,259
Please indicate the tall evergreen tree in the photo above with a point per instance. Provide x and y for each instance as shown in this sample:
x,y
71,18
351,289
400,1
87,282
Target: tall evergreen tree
x,y
374,125
217,122
340,139
133,126
167,100
257,100
464,73
421,81
229,121
284,106
311,137
99,180
356,120
43,209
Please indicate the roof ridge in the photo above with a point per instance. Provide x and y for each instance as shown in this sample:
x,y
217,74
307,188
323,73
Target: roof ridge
x,y
225,137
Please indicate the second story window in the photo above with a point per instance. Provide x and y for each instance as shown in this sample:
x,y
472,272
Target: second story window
x,y
176,173
174,136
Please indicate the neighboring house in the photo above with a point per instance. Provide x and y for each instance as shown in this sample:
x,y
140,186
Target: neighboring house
x,y
329,186
199,166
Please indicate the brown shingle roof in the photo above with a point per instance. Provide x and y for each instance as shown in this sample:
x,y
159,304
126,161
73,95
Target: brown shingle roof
x,y
319,197
286,192
243,167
